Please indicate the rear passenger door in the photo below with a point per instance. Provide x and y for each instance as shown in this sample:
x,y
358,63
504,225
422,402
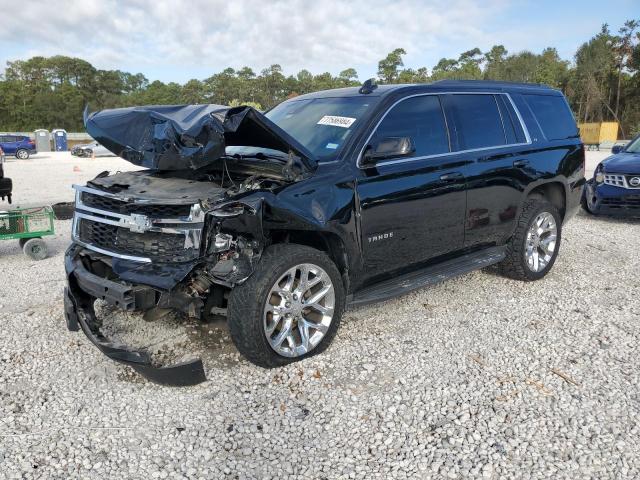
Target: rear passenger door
x,y
491,139
412,208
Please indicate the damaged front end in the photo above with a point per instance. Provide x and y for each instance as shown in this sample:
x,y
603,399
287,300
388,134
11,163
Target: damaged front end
x,y
177,236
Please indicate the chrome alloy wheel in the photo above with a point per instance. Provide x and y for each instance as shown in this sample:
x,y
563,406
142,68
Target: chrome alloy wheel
x,y
541,242
299,310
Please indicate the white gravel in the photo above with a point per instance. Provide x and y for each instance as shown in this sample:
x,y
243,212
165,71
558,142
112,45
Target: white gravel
x,y
46,178
478,377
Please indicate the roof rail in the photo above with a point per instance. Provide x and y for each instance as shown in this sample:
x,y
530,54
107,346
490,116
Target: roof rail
x,y
491,82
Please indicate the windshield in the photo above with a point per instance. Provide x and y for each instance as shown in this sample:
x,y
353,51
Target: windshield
x,y
321,124
634,146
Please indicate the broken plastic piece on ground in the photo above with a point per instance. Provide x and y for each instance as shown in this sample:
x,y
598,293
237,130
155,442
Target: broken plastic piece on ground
x,y
179,375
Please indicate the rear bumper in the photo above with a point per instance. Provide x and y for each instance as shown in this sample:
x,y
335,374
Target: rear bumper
x,y
611,200
83,288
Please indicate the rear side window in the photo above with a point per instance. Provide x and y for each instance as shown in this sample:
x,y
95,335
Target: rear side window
x,y
510,121
553,115
478,121
420,118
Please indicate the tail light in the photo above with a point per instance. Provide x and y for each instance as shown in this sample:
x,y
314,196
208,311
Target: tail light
x,y
31,142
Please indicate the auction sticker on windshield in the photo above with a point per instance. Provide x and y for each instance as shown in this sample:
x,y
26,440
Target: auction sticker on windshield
x,y
335,121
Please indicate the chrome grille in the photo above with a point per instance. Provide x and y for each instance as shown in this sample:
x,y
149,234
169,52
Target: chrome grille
x,y
160,247
620,180
134,231
615,180
120,206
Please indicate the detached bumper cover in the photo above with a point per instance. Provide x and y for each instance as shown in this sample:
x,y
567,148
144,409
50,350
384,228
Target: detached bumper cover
x,y
80,315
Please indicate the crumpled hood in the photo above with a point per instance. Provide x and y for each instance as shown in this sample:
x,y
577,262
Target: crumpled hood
x,y
622,163
178,137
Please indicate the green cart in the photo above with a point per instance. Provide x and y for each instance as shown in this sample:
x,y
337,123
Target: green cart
x,y
28,226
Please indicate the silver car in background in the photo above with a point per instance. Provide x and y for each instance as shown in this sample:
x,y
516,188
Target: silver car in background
x,y
93,149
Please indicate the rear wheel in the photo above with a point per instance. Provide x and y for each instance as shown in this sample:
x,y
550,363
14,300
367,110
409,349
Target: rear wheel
x,y
289,309
35,249
533,249
22,154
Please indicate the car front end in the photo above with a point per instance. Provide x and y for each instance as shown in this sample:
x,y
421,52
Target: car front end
x,y
179,233
615,186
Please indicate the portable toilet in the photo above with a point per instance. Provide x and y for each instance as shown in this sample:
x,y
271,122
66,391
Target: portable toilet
x,y
43,140
59,139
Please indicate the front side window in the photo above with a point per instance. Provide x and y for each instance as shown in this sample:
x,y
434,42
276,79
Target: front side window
x,y
420,118
478,121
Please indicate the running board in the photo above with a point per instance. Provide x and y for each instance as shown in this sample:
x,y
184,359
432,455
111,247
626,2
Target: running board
x,y
427,276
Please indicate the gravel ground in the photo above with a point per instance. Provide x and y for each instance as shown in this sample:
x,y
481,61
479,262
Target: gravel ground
x,y
46,178
478,377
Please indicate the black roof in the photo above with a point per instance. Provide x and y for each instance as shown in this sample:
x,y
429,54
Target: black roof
x,y
441,85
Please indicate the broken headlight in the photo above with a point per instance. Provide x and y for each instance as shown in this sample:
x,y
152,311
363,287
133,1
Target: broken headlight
x,y
599,174
231,210
221,243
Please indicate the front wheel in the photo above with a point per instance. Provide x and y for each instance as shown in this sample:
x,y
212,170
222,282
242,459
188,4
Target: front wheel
x,y
289,309
588,201
22,154
534,246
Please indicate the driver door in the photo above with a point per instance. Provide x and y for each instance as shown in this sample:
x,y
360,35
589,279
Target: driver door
x,y
412,207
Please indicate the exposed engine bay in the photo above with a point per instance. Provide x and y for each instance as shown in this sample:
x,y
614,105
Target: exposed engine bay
x,y
182,233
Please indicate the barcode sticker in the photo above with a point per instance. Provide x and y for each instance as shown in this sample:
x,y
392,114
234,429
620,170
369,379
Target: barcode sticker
x,y
334,121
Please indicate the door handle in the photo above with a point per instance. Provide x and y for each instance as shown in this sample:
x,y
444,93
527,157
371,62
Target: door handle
x,y
520,163
451,177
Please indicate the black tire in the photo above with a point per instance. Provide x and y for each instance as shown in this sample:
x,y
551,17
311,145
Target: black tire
x,y
514,265
22,154
585,203
246,303
21,242
35,249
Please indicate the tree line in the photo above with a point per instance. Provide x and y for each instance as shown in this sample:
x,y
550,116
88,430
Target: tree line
x,y
601,82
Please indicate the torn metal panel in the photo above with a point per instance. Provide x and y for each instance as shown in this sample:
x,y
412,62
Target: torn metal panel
x,y
178,137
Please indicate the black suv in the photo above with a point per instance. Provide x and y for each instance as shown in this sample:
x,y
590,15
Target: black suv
x,y
333,199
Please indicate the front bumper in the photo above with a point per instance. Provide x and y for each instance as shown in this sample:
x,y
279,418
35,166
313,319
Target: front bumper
x,y
83,288
606,199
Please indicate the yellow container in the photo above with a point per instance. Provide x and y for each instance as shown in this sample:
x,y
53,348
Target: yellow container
x,y
596,133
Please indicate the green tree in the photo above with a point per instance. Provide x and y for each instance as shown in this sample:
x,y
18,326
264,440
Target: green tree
x,y
388,67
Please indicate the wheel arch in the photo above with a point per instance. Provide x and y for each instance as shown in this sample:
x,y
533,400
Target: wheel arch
x,y
327,242
555,192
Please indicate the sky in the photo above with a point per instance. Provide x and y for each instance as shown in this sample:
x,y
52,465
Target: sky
x,y
177,40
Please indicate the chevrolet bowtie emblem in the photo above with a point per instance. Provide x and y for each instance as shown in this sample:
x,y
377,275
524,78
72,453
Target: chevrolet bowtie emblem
x,y
136,223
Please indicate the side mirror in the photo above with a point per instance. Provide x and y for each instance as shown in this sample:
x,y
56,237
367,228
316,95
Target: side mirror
x,y
390,147
616,149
